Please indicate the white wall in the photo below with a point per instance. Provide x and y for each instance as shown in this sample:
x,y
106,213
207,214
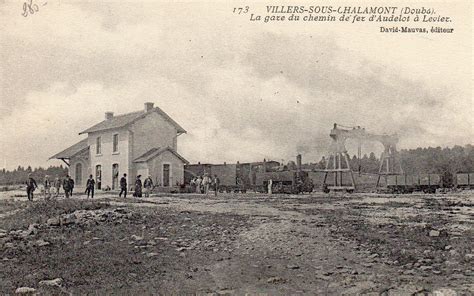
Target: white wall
x,y
107,157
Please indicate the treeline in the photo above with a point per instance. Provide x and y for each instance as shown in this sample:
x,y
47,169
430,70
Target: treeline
x,y
429,160
20,174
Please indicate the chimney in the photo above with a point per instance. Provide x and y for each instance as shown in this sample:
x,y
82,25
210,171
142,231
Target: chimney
x,y
109,115
298,162
148,106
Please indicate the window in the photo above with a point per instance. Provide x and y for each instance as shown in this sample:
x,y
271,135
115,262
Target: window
x,y
115,143
98,146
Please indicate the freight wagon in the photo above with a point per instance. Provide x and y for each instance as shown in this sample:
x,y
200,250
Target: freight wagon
x,y
465,180
238,177
427,183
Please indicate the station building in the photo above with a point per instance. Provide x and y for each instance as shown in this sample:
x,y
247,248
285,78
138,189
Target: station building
x,y
139,143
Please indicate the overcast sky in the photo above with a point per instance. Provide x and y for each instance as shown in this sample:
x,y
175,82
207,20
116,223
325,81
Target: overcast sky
x,y
243,91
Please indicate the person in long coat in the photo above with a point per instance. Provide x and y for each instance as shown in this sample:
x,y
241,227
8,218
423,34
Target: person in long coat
x,y
30,186
138,187
47,187
198,184
67,186
148,184
57,185
90,186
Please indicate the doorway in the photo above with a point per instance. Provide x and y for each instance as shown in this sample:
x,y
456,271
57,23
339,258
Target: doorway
x,y
115,175
166,175
98,176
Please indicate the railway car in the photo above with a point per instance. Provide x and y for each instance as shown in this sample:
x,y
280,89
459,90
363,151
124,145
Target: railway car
x,y
465,180
427,183
238,177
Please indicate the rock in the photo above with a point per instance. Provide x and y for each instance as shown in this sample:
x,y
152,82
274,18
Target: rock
x,y
453,252
53,222
41,243
57,282
448,247
68,219
434,233
25,290
121,210
292,266
444,292
425,267
136,237
151,254
469,257
9,245
276,280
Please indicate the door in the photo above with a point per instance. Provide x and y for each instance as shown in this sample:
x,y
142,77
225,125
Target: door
x,y
78,176
166,175
98,176
115,175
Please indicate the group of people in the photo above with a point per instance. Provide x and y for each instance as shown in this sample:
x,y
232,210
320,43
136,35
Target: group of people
x,y
53,187
50,187
203,184
138,188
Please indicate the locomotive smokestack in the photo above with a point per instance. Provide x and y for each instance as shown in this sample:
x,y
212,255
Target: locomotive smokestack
x,y
298,162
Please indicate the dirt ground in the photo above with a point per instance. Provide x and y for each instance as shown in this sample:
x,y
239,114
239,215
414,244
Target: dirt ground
x,y
359,244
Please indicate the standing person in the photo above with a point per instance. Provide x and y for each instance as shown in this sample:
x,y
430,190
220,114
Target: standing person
x,y
198,184
67,186
30,187
148,184
90,186
206,182
216,183
57,185
47,188
71,180
193,184
123,186
270,185
138,187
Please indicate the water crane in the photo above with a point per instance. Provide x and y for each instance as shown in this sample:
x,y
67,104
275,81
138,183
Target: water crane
x,y
338,161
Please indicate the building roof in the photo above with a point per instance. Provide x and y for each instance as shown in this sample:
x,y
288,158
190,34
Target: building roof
x,y
71,151
129,118
154,152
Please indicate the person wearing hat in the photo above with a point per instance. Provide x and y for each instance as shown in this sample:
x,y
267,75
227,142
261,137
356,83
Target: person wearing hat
x,y
47,187
90,186
138,187
148,184
57,185
206,182
216,183
30,187
123,186
67,186
198,184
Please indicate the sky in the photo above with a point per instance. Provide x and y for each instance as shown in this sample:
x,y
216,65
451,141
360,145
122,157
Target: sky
x,y
243,90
